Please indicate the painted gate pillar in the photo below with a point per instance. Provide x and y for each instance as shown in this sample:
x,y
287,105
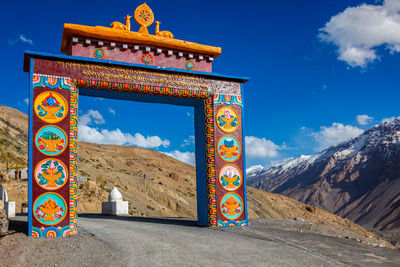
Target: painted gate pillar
x,y
123,64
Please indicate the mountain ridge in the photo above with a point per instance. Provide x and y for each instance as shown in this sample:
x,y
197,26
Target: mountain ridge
x,y
357,179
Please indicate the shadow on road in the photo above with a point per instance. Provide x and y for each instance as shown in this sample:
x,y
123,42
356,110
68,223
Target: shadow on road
x,y
175,221
18,224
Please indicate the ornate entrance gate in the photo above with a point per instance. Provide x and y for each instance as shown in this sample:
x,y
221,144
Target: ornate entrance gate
x,y
122,64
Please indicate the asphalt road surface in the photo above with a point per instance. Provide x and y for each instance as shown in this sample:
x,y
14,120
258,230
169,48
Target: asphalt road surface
x,y
176,242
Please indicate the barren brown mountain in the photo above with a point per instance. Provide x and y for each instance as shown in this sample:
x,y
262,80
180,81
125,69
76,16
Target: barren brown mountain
x,y
170,188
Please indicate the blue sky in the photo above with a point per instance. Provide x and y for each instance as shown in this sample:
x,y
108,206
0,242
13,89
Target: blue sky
x,y
321,71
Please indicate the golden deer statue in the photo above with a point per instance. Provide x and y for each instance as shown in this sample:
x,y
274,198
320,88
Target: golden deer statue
x,y
165,34
118,25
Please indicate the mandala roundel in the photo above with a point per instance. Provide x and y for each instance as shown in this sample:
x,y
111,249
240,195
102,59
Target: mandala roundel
x,y
50,107
229,148
227,119
147,59
50,208
231,206
51,140
189,65
230,177
99,53
51,174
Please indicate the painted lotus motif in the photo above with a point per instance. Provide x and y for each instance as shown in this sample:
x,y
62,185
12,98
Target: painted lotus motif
x,y
51,174
228,148
230,177
51,140
231,206
227,119
49,208
50,107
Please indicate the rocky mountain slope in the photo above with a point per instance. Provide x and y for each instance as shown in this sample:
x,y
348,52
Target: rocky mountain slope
x,y
358,179
169,190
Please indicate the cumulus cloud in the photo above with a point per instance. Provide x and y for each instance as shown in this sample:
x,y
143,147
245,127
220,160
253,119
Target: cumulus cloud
x,y
186,157
358,31
26,101
335,134
364,119
21,38
117,137
260,147
90,134
91,117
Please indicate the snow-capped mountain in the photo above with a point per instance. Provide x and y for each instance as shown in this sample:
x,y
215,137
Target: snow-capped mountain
x,y
358,179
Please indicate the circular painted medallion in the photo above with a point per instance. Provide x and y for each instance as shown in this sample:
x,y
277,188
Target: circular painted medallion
x,y
49,208
227,119
99,53
231,206
50,107
228,148
230,177
51,174
190,65
51,140
147,59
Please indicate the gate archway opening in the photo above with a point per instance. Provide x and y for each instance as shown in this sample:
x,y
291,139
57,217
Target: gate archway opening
x,y
154,184
122,64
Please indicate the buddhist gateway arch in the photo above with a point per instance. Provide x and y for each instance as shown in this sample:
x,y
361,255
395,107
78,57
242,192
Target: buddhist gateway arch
x,y
117,62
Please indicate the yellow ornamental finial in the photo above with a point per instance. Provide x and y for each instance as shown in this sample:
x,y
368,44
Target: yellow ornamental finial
x,y
144,16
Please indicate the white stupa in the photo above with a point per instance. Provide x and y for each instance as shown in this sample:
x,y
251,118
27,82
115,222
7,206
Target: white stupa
x,y
115,204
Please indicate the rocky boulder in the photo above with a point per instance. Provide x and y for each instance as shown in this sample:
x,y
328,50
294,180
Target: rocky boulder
x,y
3,219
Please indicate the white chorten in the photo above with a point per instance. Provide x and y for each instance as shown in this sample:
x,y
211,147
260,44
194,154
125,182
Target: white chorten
x,y
115,204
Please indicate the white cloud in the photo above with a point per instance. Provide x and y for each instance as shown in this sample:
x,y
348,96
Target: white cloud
x,y
186,157
21,38
110,110
335,134
260,147
364,119
188,113
115,137
92,116
189,141
358,31
26,101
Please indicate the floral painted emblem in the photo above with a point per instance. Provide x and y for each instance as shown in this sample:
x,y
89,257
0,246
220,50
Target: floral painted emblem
x,y
231,206
51,174
228,148
50,208
227,119
230,177
51,140
147,59
50,107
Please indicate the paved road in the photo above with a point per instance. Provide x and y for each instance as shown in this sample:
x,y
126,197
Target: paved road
x,y
174,242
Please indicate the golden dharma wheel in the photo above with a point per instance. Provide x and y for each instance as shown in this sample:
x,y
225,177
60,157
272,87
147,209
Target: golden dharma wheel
x,y
144,16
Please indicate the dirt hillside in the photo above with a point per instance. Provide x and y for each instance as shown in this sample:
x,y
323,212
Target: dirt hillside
x,y
169,190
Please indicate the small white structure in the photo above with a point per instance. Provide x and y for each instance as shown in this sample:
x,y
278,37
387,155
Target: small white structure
x,y
10,209
24,174
115,205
